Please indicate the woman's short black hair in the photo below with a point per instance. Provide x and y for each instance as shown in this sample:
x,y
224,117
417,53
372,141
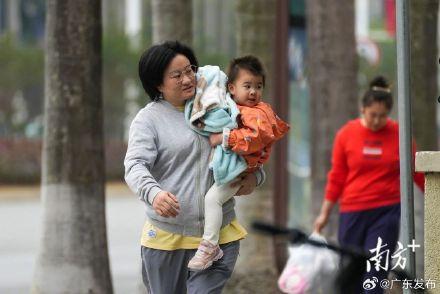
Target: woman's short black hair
x,y
249,63
154,62
379,91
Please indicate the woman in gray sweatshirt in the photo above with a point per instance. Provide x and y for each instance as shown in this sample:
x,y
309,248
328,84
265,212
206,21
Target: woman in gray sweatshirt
x,y
166,165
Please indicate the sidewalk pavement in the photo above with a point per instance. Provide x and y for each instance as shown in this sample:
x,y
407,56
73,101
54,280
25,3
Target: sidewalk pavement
x,y
20,221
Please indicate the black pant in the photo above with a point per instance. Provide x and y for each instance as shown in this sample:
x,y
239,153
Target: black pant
x,y
361,230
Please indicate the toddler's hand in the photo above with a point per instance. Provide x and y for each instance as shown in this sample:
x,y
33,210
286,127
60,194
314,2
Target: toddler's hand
x,y
215,139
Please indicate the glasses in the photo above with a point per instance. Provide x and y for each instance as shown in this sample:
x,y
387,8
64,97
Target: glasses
x,y
188,71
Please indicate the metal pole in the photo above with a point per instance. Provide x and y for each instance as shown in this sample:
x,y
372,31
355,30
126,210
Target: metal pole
x,y
281,92
405,141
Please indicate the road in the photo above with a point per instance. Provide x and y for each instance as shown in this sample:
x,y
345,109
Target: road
x,y
20,223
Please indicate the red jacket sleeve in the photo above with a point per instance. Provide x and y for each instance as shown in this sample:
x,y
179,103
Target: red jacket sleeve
x,y
419,178
260,129
338,174
246,140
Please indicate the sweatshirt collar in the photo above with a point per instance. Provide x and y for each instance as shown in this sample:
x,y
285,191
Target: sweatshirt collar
x,y
171,106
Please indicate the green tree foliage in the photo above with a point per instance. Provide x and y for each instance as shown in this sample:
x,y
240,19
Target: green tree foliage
x,y
21,65
119,65
22,68
386,66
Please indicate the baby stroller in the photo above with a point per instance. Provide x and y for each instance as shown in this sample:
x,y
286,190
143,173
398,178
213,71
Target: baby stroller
x,y
346,276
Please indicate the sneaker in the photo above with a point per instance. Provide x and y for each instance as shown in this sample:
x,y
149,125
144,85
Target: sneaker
x,y
206,254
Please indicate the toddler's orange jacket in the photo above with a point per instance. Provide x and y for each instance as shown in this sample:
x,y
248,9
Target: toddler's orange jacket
x,y
258,128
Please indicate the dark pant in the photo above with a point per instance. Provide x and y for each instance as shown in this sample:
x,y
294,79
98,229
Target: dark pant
x,y
166,272
362,229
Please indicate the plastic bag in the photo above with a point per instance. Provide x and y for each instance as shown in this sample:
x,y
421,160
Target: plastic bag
x,y
309,269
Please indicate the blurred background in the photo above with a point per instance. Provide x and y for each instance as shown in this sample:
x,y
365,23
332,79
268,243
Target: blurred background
x,y
283,34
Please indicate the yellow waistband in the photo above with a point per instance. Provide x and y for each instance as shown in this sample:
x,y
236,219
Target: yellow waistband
x,y
153,237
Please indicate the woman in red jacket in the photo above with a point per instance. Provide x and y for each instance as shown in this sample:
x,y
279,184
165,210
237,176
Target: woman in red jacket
x,y
365,180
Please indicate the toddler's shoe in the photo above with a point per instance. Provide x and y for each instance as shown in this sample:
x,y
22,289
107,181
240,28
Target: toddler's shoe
x,y
206,254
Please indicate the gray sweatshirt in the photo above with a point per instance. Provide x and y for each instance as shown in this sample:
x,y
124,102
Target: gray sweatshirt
x,y
164,154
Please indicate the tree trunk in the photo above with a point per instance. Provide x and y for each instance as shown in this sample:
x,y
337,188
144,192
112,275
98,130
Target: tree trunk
x,y
255,24
332,63
73,256
172,20
424,56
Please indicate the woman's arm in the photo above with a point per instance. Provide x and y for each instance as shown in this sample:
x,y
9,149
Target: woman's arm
x,y
139,159
322,220
338,174
249,181
335,183
419,178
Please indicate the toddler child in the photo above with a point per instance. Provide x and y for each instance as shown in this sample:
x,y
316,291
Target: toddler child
x,y
258,128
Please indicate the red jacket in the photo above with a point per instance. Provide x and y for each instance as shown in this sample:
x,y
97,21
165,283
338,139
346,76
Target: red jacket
x,y
365,170
259,127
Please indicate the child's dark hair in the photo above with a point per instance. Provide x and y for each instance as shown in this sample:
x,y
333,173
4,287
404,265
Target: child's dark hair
x,y
155,60
379,91
248,62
